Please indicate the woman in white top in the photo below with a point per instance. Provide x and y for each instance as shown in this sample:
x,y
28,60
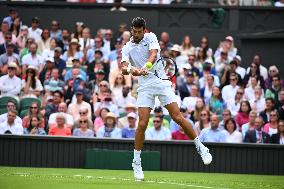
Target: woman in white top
x,y
86,42
49,52
231,132
250,90
186,47
44,42
31,86
117,86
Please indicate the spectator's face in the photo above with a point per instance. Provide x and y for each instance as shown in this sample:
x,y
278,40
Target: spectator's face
x,y
253,81
101,77
162,45
157,123
189,79
273,116
137,33
122,28
273,72
4,27
199,103
83,123
52,43
281,127
214,122
108,35
210,80
98,42
252,117
83,112
8,38
216,91
103,86
191,60
55,74
110,121
107,97
33,48
204,115
125,91
11,106
230,126
54,25
194,91
240,94
62,108
268,105
10,50
257,60
103,113
233,67
86,33
281,95
56,98
57,54
75,73
233,80
34,108
131,122
165,37
258,123
275,82
35,24
13,14
60,120
65,34
35,122
224,55
226,115
11,117
11,71
203,42
79,97
244,107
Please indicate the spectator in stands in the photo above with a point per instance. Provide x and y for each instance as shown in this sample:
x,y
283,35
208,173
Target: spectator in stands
x,y
34,111
129,108
240,70
124,99
126,35
234,104
207,91
229,91
52,107
74,108
32,59
250,90
22,37
269,107
10,84
179,134
4,30
26,49
106,102
175,54
272,126
226,115
66,38
100,120
258,102
195,115
280,104
257,135
31,86
243,115
8,39
158,132
112,57
73,52
117,86
165,37
109,130
200,59
44,41
216,102
279,3
59,63
187,82
13,14
99,45
34,31
275,89
34,126
108,40
212,133
86,42
254,72
60,129
8,57
175,127
187,47
54,77
55,31
207,70
158,112
222,62
262,70
204,47
272,72
11,105
250,125
79,26
228,71
279,137
190,101
45,74
227,46
129,130
15,29
62,109
49,52
83,112
10,125
83,130
204,121
232,135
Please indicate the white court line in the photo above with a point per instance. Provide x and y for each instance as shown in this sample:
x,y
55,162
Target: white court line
x,y
123,179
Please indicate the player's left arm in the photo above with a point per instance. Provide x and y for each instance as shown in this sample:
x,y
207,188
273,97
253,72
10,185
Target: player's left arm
x,y
152,55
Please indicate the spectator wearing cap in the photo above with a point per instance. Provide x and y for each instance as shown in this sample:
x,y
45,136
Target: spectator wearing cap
x,y
10,84
129,130
55,31
240,70
106,102
52,107
175,127
158,131
44,41
8,39
34,31
94,82
62,109
227,46
13,14
4,30
86,42
72,53
31,86
232,135
229,70
11,106
74,108
114,53
60,128
129,108
8,57
175,54
59,62
124,99
45,74
22,37
11,126
158,111
33,59
99,45
258,62
272,71
109,130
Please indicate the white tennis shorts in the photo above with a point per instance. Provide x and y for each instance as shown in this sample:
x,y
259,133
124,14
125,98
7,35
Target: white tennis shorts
x,y
146,95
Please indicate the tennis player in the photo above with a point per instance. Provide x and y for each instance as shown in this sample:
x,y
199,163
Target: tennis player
x,y
143,48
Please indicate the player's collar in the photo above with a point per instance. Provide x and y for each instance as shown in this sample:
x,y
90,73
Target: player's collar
x,y
133,43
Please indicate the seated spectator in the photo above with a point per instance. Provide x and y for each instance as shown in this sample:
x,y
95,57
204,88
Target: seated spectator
x,y
106,102
74,108
55,31
34,31
278,138
195,115
272,126
254,72
187,47
204,46
45,74
84,115
44,40
129,130
60,129
212,133
124,99
62,109
208,70
257,135
240,70
275,89
269,107
243,115
34,126
174,126
250,125
185,83
228,46
123,121
258,102
100,120
158,132
49,52
32,59
273,71
72,74
222,63
158,111
234,104
83,130
179,135
11,126
262,70
31,86
11,105
228,71
10,84
73,52
8,57
99,89
99,45
59,63
22,37
86,42
204,121
216,102
8,39
250,90
280,105
229,91
206,92
226,115
109,130
190,101
5,29
34,111
117,86
232,135
52,107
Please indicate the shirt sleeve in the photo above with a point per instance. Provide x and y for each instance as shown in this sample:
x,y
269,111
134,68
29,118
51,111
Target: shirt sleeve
x,y
153,42
125,54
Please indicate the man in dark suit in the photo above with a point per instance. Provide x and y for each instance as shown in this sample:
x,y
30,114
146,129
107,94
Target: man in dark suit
x,y
8,39
257,135
278,138
184,89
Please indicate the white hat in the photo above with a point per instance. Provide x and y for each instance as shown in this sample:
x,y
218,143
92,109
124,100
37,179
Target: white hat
x,y
50,59
238,57
230,38
209,61
131,114
186,66
12,65
175,47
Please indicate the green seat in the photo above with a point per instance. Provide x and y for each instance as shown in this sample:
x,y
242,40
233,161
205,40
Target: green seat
x,y
3,111
24,113
25,103
4,100
167,117
122,114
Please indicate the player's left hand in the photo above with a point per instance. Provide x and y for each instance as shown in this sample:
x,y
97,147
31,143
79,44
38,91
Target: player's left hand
x,y
143,71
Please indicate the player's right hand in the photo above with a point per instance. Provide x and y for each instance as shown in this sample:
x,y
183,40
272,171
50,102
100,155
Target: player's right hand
x,y
143,71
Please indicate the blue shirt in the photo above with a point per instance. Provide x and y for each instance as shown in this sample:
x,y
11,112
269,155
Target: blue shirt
x,y
174,126
210,135
128,133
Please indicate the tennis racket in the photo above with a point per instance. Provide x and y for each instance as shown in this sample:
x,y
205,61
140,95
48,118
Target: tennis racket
x,y
169,66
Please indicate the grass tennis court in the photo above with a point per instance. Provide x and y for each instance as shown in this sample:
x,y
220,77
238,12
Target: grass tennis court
x,y
50,178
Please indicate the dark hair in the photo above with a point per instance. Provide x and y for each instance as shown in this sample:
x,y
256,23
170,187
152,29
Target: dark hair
x,y
257,70
33,85
58,92
270,99
230,120
158,109
277,76
103,109
247,103
12,101
30,127
160,117
138,22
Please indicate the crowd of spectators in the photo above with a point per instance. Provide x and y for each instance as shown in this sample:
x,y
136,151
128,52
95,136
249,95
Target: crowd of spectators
x,y
77,77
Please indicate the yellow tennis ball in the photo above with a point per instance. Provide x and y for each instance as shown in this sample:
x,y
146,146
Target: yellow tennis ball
x,y
149,65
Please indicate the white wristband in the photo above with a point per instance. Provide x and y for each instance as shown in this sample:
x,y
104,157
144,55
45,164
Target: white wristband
x,y
128,68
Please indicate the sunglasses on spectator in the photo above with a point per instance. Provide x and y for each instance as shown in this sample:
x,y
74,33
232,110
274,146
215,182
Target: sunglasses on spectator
x,y
156,121
272,115
103,85
11,68
8,37
83,121
240,93
82,113
203,114
33,107
203,41
233,79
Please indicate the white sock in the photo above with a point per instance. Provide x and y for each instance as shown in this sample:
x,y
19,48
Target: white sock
x,y
197,142
137,155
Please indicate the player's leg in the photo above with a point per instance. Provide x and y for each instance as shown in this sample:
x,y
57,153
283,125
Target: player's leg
x,y
180,120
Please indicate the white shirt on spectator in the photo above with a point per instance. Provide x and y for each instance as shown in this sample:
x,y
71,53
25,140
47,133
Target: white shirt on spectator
x,y
35,34
141,2
233,106
257,105
15,128
121,101
3,118
109,105
47,53
162,134
88,44
235,137
74,108
190,102
263,71
10,86
35,61
5,59
241,71
69,118
229,92
162,2
202,80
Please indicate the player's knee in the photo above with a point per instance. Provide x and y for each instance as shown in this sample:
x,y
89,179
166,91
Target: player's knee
x,y
142,125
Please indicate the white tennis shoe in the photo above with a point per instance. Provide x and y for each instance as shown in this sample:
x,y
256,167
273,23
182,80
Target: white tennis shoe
x,y
204,153
138,172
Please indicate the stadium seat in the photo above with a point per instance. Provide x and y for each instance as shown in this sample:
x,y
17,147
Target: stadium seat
x,y
3,110
4,100
25,103
24,113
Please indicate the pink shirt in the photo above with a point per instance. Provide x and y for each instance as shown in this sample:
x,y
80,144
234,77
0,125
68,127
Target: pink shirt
x,y
60,131
241,118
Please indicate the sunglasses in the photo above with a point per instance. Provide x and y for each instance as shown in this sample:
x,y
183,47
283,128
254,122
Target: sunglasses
x,y
203,114
233,79
82,112
103,85
8,37
10,105
155,121
272,115
83,121
240,93
33,107
11,68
